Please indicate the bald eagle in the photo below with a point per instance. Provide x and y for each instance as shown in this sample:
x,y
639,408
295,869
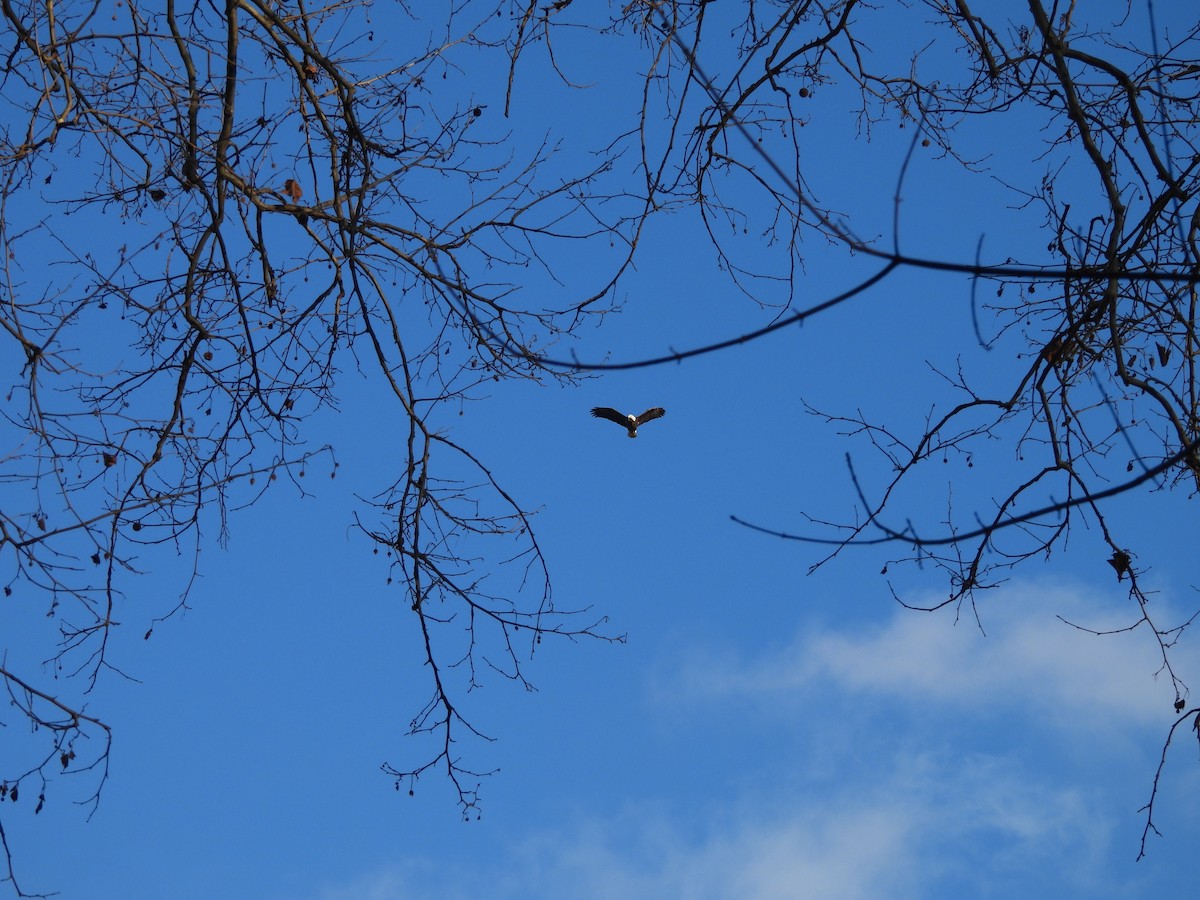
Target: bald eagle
x,y
630,422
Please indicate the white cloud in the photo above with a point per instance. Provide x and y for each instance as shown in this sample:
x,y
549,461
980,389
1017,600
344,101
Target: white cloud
x,y
908,832
1025,657
885,802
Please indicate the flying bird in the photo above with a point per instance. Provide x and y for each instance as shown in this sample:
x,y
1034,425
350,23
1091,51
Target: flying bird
x,y
630,422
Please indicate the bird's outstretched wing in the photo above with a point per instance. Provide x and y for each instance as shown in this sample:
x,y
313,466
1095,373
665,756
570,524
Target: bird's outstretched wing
x,y
605,412
651,414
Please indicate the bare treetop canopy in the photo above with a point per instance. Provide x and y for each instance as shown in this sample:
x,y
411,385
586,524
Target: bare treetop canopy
x,y
211,214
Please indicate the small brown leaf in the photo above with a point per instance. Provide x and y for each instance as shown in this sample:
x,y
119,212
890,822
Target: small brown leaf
x,y
110,459
1164,354
1054,351
292,189
1120,562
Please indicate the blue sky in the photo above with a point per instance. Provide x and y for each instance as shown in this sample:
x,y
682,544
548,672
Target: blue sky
x,y
765,731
